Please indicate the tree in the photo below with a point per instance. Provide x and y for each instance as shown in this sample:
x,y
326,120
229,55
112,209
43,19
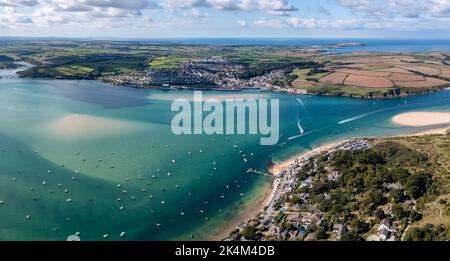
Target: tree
x,y
415,216
321,233
249,232
398,211
397,195
401,175
379,213
359,226
417,185
351,236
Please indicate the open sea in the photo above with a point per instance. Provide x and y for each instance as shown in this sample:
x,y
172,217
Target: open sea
x,y
382,45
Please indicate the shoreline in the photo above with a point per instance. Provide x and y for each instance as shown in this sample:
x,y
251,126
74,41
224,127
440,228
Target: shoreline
x,y
278,168
266,197
254,209
422,118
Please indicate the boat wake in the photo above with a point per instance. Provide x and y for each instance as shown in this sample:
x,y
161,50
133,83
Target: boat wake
x,y
358,117
300,101
300,128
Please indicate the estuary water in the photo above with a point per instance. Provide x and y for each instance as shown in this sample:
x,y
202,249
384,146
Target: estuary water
x,y
87,157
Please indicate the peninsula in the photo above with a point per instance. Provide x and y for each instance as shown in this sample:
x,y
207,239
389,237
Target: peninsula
x,y
374,189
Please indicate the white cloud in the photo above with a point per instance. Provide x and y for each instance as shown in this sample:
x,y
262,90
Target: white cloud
x,y
274,7
242,23
440,8
10,16
16,3
269,23
348,24
49,13
398,8
196,14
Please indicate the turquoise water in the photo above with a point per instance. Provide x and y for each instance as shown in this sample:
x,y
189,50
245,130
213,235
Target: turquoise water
x,y
104,143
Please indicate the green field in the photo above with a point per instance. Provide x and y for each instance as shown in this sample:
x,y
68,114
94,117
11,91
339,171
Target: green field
x,y
166,62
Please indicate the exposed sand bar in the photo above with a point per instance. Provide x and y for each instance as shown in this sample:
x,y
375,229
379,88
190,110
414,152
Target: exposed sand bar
x,y
421,119
86,126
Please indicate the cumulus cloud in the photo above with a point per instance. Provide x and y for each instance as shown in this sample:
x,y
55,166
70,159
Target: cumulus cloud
x,y
196,14
9,16
398,8
345,24
274,7
440,8
16,3
60,12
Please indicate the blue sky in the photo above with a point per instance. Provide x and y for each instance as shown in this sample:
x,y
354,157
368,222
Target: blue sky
x,y
226,18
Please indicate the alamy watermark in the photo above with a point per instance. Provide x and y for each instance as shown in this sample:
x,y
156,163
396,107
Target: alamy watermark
x,y
231,116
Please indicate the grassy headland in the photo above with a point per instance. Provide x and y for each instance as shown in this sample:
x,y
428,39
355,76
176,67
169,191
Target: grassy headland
x,y
377,189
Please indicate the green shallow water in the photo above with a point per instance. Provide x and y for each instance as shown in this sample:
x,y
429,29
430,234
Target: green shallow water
x,y
43,155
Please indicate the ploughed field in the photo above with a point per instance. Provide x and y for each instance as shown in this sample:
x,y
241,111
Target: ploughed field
x,y
379,71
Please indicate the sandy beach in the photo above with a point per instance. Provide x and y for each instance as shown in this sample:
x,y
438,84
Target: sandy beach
x,y
421,119
437,131
277,168
79,125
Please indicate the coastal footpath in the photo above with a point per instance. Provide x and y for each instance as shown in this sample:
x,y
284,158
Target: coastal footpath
x,y
373,189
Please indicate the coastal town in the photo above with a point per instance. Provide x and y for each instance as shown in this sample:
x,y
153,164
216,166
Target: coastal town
x,y
212,73
306,201
322,70
364,75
